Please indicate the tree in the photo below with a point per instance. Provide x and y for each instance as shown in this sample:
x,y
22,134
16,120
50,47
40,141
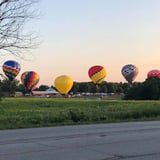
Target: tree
x,y
151,88
126,87
135,92
111,87
148,90
103,87
14,14
84,87
75,87
8,87
21,88
42,88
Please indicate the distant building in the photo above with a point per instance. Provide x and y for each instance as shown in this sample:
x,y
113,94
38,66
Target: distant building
x,y
50,92
18,94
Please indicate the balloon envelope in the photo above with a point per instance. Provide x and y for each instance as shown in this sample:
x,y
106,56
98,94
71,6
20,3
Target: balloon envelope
x,y
63,84
30,79
154,73
11,69
97,73
129,72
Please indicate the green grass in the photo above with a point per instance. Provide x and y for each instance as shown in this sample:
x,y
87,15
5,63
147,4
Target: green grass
x,y
42,112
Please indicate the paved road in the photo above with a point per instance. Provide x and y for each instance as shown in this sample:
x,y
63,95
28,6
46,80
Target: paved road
x,y
122,141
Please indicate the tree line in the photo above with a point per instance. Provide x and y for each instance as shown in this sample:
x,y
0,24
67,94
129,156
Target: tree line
x,y
10,87
147,90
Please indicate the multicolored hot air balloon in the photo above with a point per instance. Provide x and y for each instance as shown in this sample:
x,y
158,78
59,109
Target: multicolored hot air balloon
x,y
154,73
97,73
129,72
11,69
63,84
30,79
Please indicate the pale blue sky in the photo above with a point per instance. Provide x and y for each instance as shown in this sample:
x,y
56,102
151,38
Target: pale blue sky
x,y
77,34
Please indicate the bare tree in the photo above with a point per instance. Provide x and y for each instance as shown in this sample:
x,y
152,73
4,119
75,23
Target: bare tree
x,y
14,38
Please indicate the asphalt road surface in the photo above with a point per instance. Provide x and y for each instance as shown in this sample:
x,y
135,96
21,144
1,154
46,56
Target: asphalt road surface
x,y
120,141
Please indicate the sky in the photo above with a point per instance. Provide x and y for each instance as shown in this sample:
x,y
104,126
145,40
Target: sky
x,y
78,34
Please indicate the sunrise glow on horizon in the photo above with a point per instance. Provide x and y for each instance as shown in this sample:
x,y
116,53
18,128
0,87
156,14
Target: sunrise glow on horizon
x,y
76,35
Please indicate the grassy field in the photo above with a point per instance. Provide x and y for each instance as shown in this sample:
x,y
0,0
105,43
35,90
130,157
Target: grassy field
x,y
42,112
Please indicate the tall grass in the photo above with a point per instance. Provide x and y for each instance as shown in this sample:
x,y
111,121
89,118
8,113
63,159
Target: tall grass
x,y
41,112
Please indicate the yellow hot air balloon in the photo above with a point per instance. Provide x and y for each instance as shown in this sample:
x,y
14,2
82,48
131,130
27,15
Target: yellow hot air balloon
x,y
63,84
97,73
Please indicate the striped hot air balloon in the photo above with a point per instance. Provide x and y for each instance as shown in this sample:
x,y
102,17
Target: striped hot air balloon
x,y
11,69
97,73
30,79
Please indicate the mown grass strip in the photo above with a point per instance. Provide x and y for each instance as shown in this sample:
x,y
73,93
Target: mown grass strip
x,y
42,112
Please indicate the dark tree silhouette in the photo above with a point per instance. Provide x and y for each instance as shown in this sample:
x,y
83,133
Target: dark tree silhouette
x,y
14,14
148,90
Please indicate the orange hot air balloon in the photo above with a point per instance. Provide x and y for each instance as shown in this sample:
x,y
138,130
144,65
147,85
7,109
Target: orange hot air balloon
x,y
97,73
63,84
30,79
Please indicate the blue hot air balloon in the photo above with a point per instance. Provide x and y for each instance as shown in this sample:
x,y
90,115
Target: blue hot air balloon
x,y
129,72
11,69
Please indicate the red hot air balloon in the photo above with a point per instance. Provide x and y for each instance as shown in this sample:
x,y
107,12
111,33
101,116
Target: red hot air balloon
x,y
97,73
154,73
30,79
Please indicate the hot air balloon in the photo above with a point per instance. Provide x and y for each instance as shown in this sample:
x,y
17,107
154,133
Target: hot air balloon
x,y
154,73
30,79
129,72
63,84
97,73
11,69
